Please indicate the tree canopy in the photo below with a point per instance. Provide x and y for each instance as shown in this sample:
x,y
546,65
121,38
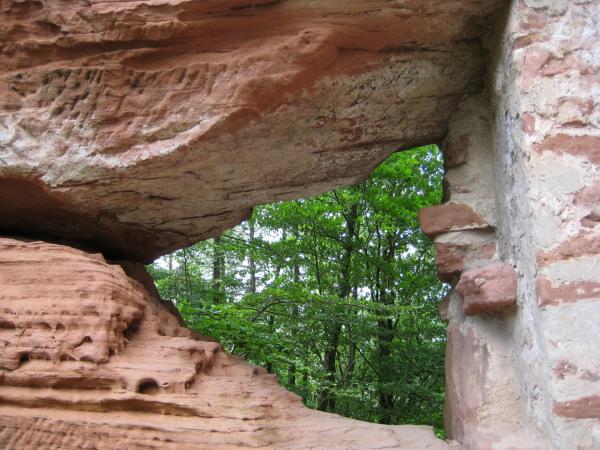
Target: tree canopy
x,y
336,294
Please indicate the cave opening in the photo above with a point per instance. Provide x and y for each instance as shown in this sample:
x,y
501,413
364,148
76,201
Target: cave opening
x,y
337,294
23,359
148,387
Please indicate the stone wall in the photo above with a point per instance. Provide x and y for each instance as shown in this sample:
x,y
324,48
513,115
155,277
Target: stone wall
x,y
482,381
524,165
546,93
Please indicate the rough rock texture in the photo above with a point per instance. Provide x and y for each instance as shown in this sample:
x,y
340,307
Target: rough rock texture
x,y
118,370
135,127
524,157
440,219
546,94
482,385
139,127
490,289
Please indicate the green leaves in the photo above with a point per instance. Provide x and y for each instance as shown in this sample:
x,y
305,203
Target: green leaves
x,y
336,294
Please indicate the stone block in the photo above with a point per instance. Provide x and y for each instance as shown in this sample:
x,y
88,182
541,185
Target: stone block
x,y
491,289
440,219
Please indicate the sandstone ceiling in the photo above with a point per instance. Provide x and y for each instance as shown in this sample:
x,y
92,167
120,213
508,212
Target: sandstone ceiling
x,y
139,127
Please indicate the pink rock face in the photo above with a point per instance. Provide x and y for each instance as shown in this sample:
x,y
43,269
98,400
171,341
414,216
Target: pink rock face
x,y
133,128
490,289
164,122
440,219
109,366
57,306
449,260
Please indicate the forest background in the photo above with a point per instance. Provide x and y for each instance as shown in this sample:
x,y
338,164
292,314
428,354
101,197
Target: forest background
x,y
337,294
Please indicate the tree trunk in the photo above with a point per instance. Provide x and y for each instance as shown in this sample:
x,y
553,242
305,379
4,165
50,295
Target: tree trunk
x,y
351,356
251,261
327,396
218,264
334,328
271,323
296,270
385,327
186,274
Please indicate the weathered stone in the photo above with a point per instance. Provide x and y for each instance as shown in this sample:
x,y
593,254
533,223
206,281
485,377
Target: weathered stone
x,y
46,291
444,308
564,368
476,372
109,366
459,251
133,128
439,219
546,175
163,123
557,293
587,147
491,289
581,244
449,260
456,150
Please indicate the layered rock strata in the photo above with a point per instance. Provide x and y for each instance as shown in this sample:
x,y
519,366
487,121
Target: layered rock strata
x,y
93,359
131,128
139,127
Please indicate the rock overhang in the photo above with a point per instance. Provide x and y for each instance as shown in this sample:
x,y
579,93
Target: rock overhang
x,y
151,126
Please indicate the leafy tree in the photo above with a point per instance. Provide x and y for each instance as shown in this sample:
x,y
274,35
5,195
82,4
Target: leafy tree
x,y
336,294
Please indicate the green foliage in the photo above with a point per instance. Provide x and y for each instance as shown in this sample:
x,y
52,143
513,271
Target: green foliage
x,y
336,294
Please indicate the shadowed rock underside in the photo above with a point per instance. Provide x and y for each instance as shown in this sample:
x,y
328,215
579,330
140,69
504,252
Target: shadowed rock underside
x,y
137,127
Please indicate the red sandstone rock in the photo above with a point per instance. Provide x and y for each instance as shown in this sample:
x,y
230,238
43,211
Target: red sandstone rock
x,y
449,260
136,127
564,368
91,358
579,408
41,311
443,309
587,147
465,364
164,122
466,250
440,219
581,244
490,289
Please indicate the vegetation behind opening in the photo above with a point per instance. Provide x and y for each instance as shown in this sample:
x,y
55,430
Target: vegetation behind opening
x,y
337,294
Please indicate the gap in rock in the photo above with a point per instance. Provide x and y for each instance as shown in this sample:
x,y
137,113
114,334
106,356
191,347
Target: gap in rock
x,y
148,387
337,294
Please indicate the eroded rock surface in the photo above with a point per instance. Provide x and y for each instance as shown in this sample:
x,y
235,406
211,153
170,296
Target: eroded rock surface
x,y
524,158
489,289
148,383
136,127
140,127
